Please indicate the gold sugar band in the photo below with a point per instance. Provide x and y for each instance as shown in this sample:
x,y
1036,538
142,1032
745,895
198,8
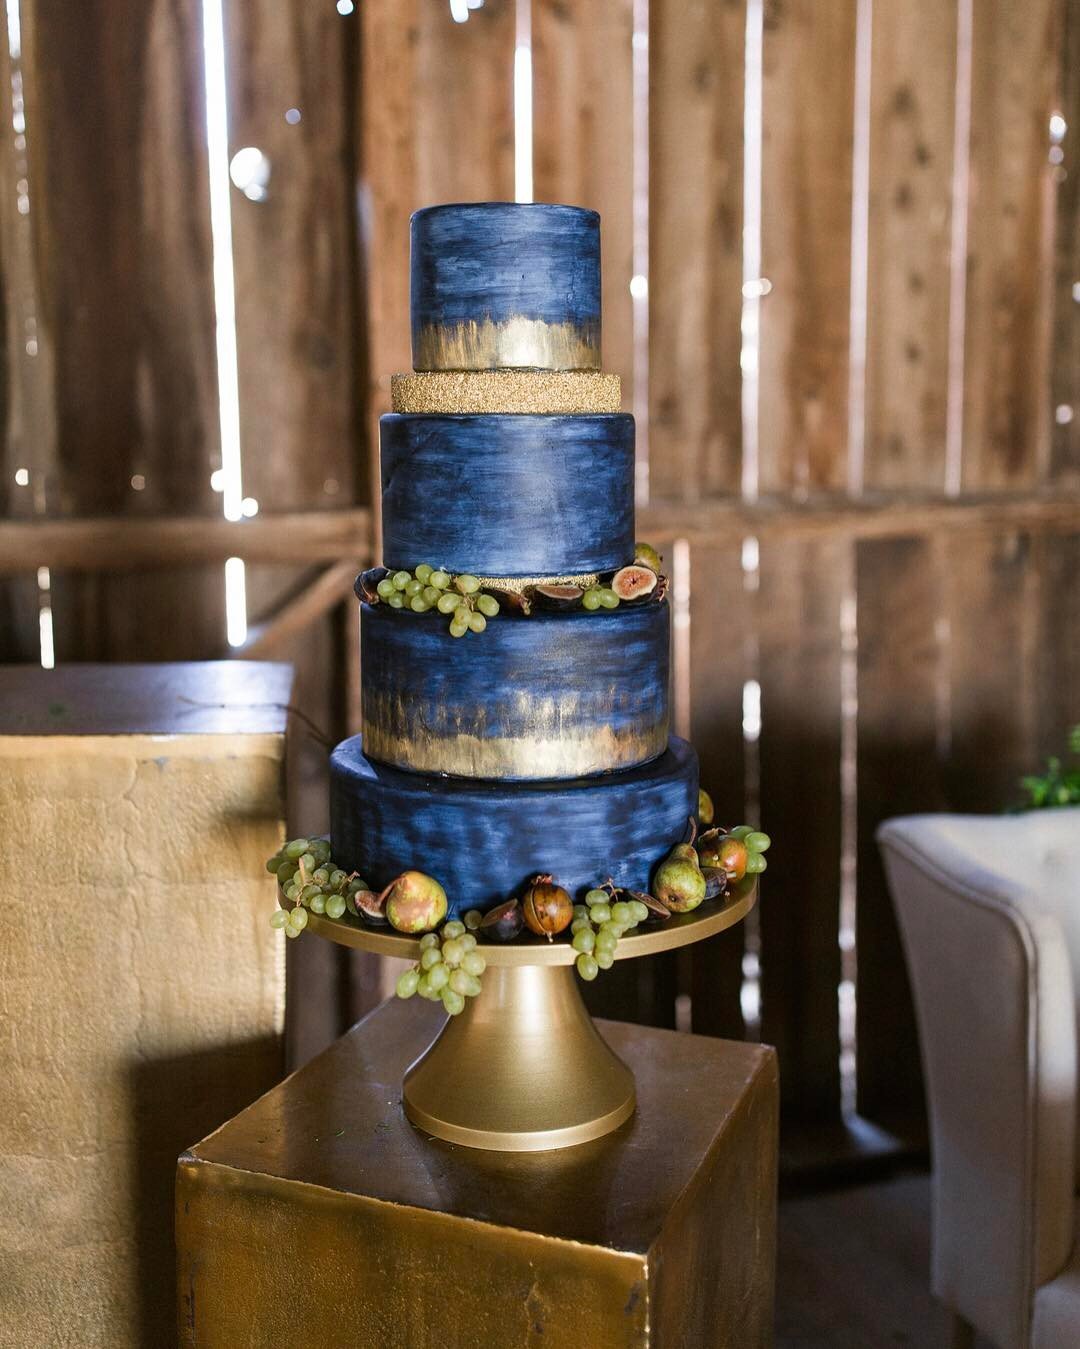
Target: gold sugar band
x,y
478,392
514,344
517,585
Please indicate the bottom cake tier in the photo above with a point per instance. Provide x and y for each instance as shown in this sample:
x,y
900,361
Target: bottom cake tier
x,y
483,840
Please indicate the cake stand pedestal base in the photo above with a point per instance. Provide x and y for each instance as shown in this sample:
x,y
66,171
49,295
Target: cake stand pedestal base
x,y
522,1069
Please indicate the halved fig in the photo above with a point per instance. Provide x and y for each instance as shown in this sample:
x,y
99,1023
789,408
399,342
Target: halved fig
x,y
634,582
365,587
558,597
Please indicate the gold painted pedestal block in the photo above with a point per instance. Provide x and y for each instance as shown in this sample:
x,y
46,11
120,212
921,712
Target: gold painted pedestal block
x,y
319,1218
141,988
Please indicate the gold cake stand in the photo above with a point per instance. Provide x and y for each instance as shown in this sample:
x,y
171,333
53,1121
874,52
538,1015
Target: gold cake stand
x,y
523,1068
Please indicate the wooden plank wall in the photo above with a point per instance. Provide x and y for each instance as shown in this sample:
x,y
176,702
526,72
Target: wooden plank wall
x,y
911,335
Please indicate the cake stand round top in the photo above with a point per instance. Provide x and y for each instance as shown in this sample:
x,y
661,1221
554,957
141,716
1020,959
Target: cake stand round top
x,y
678,930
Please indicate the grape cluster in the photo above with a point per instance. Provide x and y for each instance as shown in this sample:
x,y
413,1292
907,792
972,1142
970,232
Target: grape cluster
x,y
308,879
599,597
449,968
597,926
756,844
430,587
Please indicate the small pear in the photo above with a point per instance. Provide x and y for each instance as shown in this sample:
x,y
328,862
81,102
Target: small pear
x,y
678,882
705,810
414,902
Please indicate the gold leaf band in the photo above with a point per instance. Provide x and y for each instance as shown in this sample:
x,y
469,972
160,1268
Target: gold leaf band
x,y
479,392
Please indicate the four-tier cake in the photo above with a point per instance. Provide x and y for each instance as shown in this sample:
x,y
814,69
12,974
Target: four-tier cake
x,y
515,682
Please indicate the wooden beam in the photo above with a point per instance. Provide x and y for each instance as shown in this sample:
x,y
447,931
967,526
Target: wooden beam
x,y
330,587
113,545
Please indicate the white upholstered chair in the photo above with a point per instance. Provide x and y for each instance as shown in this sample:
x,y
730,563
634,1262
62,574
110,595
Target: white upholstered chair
x,y
989,911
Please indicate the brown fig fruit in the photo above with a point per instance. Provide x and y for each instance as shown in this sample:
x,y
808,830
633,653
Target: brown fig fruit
x,y
633,582
558,597
414,902
368,905
715,882
504,922
365,587
546,907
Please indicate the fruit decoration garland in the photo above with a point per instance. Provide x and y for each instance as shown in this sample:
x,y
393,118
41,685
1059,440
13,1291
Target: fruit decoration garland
x,y
451,962
469,601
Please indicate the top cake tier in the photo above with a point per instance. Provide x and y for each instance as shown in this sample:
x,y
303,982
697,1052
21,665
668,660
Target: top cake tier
x,y
505,286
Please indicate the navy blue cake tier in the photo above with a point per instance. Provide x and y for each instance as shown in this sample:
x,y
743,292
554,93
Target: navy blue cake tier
x,y
501,285
508,496
484,840
556,695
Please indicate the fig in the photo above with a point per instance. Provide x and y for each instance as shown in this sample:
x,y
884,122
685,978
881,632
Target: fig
x,y
647,556
656,909
368,905
414,902
504,922
366,585
558,597
715,882
547,908
678,882
634,582
705,811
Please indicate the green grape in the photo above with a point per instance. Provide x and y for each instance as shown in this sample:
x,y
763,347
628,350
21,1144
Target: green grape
x,y
428,940
431,595
292,931
292,891
605,959
468,942
423,572
600,913
621,914
477,622
585,940
453,1002
296,848
438,976
581,911
606,940
467,584
414,587
286,871
320,848
459,627
419,605
591,600
430,957
440,579
473,919
597,896
587,966
273,863
757,841
337,878
755,864
320,876
453,951
580,925
448,602
278,918
385,588
401,579
423,987
308,893
488,605
307,864
743,832
454,928
639,910
472,962
335,907
464,983
396,601
298,919
406,984
318,903
355,883
609,599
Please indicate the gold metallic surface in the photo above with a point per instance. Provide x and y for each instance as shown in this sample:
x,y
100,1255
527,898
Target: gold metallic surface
x,y
678,930
522,1069
516,585
511,391
546,746
515,344
321,1217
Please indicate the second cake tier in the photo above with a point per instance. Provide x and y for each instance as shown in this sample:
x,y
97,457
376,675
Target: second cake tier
x,y
557,695
508,495
484,840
